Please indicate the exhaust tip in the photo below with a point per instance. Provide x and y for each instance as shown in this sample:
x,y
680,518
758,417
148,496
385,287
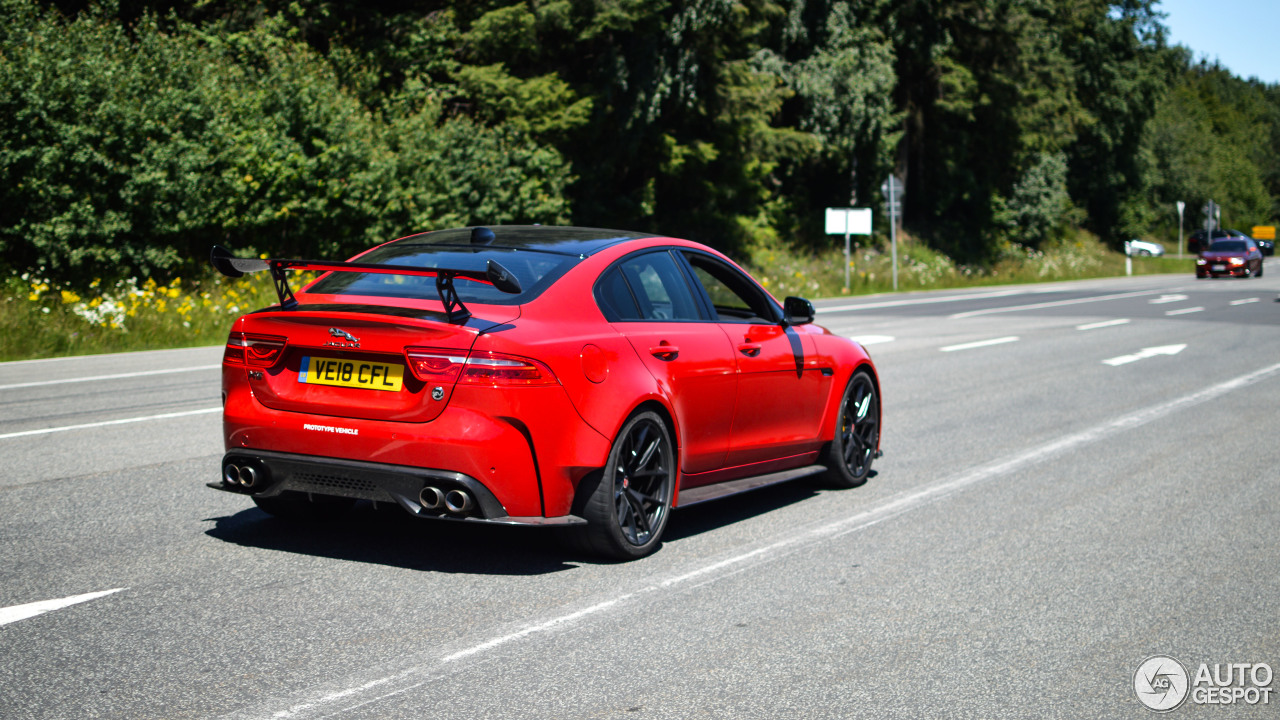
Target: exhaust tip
x,y
458,501
231,475
431,498
248,476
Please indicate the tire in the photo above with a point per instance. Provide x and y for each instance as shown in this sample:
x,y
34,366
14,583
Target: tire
x,y
302,507
627,504
1259,273
849,455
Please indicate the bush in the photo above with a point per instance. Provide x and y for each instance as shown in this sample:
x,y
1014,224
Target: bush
x,y
128,152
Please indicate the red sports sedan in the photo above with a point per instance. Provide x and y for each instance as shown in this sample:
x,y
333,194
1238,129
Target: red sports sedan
x,y
1230,256
578,378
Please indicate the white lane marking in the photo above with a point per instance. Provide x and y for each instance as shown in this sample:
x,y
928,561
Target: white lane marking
x,y
872,339
553,623
30,610
1184,311
64,358
1103,324
885,510
925,301
1245,301
1167,299
1056,303
117,376
980,344
1145,353
122,421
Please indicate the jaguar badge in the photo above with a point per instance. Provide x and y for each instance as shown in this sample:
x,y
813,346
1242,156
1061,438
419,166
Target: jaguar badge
x,y
352,340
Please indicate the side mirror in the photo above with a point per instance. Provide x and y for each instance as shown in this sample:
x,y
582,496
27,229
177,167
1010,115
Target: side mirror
x,y
797,311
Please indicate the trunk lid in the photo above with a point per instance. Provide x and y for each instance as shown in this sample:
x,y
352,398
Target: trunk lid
x,y
348,361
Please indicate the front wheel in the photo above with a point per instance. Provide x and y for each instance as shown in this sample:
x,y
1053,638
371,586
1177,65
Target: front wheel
x,y
849,455
627,504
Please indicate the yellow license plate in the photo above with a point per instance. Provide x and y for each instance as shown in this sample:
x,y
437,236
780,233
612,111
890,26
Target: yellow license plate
x,y
351,373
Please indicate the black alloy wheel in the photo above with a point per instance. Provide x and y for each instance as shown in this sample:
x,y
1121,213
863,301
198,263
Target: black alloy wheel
x,y
849,455
628,503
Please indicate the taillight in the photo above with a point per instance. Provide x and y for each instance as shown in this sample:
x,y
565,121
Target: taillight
x,y
255,350
430,365
482,368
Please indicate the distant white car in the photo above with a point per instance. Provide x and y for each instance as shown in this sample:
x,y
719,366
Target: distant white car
x,y
1142,248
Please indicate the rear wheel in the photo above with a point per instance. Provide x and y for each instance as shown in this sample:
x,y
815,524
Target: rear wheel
x,y
303,506
849,455
627,504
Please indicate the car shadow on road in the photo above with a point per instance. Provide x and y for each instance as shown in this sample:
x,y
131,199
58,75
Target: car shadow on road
x,y
695,520
389,536
386,535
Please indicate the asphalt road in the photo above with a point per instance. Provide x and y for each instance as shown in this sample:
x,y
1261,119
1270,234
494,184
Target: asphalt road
x,y
1076,477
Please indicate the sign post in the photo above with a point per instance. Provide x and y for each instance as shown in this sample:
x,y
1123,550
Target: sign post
x,y
848,221
892,190
1181,206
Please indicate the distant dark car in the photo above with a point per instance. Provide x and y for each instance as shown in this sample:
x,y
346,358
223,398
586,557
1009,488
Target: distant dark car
x,y
1230,256
1196,241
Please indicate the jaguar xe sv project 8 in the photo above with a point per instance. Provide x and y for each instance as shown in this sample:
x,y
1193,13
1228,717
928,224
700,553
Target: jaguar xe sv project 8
x,y
589,380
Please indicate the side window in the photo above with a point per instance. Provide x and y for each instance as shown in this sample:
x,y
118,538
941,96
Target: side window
x,y
736,299
615,299
647,287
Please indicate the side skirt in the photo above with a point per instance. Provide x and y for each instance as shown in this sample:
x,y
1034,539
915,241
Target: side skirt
x,y
703,493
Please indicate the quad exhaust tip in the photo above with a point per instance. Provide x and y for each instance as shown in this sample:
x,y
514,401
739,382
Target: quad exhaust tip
x,y
245,476
458,501
455,501
431,498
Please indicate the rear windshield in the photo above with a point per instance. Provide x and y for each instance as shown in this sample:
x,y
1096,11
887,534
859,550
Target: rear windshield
x,y
536,270
1227,246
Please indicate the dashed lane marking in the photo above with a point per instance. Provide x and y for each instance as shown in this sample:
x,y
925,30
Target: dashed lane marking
x,y
1103,324
1056,303
30,610
980,344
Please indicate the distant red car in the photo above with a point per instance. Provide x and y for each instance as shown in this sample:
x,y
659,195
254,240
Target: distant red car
x,y
1238,256
585,379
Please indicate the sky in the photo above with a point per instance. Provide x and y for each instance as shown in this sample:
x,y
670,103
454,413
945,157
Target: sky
x,y
1244,35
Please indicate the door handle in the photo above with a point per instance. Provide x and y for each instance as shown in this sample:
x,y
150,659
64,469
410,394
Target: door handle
x,y
665,351
749,349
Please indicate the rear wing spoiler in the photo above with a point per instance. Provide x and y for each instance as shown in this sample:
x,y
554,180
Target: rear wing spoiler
x,y
493,274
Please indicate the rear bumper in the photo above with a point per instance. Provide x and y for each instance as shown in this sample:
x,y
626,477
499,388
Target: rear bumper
x,y
527,446
275,473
